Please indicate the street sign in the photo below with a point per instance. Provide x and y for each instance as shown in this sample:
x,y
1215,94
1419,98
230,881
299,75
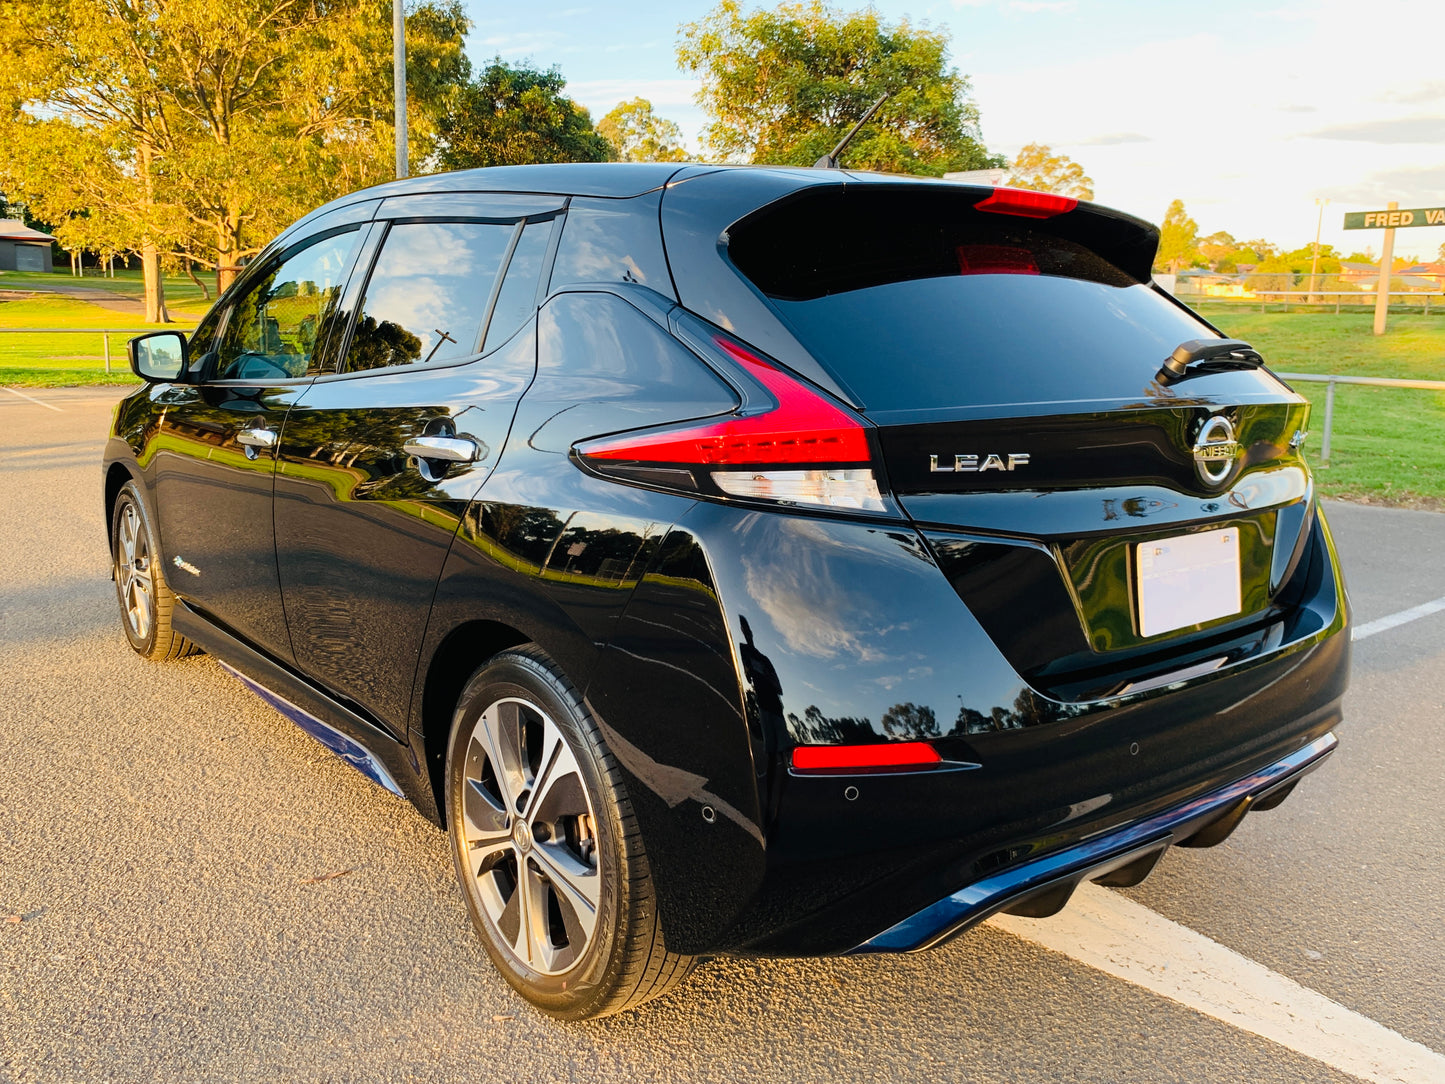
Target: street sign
x,y
1379,220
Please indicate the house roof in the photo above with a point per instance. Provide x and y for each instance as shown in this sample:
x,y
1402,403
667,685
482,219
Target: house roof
x,y
12,229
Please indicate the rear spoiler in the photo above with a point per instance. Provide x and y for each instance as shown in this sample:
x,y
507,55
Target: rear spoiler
x,y
1128,243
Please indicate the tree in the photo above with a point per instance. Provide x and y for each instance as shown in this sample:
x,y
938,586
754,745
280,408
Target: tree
x,y
1218,248
1280,271
201,127
1259,249
784,85
514,115
79,111
1178,240
1038,168
637,134
910,722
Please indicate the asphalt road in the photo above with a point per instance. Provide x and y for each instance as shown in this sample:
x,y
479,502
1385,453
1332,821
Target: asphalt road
x,y
161,830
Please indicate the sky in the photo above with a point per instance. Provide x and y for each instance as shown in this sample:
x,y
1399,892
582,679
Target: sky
x,y
1248,112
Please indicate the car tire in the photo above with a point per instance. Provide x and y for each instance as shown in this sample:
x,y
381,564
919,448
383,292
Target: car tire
x,y
547,848
146,601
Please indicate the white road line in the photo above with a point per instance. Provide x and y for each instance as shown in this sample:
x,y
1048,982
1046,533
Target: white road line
x,y
1125,939
1414,613
37,402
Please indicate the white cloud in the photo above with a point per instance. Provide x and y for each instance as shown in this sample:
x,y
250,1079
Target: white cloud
x,y
524,44
1421,187
1397,130
1115,139
1429,92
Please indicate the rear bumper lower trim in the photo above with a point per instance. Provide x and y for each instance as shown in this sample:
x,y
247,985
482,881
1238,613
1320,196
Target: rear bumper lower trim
x,y
1052,877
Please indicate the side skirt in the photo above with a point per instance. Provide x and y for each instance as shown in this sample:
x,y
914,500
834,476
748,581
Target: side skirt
x,y
350,751
362,744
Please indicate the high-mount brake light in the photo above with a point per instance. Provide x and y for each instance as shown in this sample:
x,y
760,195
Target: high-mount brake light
x,y
1026,204
803,428
995,260
802,451
826,759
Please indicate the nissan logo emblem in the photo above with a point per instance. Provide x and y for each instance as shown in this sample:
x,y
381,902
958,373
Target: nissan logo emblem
x,y
1216,451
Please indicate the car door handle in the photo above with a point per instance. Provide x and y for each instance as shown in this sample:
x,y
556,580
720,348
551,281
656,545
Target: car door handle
x,y
447,449
257,438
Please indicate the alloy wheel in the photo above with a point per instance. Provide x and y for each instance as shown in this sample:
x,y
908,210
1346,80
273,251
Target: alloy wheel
x,y
134,578
529,837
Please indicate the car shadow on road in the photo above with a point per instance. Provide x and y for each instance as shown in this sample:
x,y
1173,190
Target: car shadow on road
x,y
57,611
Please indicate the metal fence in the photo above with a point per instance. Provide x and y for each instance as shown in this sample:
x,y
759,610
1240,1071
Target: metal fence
x,y
1412,300
104,332
1331,381
1418,291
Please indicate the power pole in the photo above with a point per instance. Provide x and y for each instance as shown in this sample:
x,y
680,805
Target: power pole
x,y
398,68
1315,263
1382,289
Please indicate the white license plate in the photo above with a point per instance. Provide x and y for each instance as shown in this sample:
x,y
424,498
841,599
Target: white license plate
x,y
1186,580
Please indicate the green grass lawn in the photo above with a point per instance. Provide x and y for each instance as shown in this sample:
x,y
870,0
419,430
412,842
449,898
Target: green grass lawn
x,y
180,290
1388,443
54,360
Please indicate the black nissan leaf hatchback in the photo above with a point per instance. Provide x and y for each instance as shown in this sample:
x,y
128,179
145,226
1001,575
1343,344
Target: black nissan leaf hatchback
x,y
741,560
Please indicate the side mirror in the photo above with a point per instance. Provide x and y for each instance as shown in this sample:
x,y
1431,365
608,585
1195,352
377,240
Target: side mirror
x,y
159,357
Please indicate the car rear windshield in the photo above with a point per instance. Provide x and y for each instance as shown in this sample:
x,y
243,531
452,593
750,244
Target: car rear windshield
x,y
913,299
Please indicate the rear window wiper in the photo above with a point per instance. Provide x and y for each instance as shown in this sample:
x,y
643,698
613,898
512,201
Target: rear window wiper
x,y
1196,357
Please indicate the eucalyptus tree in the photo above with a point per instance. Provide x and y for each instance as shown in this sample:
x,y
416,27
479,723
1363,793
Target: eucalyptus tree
x,y
783,85
1038,168
638,134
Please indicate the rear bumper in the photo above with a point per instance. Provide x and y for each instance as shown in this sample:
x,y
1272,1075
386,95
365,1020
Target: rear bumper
x,y
752,633
1120,858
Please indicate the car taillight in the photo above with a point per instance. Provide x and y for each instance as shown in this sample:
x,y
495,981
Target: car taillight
x,y
833,759
801,449
1025,203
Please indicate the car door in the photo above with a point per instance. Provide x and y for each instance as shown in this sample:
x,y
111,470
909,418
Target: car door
x,y
379,460
214,451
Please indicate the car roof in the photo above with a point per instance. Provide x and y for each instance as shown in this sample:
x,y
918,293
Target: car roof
x,y
617,180
609,180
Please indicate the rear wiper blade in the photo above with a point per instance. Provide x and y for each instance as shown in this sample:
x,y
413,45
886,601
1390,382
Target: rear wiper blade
x,y
1219,353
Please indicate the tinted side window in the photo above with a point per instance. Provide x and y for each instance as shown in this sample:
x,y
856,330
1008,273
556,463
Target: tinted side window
x,y
518,297
428,293
613,240
281,322
203,339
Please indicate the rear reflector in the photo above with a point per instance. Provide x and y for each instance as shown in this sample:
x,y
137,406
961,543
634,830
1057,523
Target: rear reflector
x,y
1026,204
853,758
803,428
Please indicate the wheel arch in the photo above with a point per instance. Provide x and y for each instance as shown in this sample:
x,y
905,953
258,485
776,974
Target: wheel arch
x,y
460,654
116,476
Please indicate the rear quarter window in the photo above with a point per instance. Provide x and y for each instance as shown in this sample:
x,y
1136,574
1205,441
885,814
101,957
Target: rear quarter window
x,y
613,240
